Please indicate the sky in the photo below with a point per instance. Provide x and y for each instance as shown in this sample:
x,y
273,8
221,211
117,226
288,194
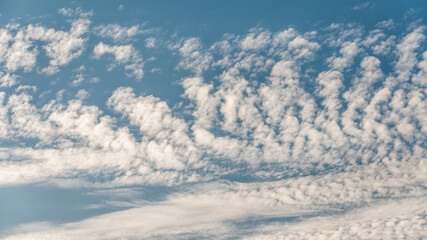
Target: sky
x,y
213,119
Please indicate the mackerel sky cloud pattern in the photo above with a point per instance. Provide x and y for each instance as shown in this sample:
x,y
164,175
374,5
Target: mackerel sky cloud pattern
x,y
315,129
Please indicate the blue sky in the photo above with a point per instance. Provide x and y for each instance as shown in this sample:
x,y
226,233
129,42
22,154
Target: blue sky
x,y
213,119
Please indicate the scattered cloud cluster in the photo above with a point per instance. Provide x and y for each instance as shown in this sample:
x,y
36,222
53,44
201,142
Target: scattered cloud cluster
x,y
371,119
19,47
75,12
329,122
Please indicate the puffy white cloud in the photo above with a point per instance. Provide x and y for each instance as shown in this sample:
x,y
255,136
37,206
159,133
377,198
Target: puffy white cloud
x,y
373,37
421,76
79,77
5,38
64,47
301,47
407,55
61,47
348,51
168,143
330,86
8,79
194,59
255,40
385,46
199,92
150,42
19,54
123,54
82,94
4,122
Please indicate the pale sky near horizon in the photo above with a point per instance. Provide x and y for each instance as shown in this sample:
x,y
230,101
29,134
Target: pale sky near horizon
x,y
213,119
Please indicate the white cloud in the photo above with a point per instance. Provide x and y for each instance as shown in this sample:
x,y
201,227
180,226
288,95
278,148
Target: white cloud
x,y
4,121
69,12
219,209
117,33
7,79
5,38
123,54
420,77
393,220
178,217
19,54
387,24
168,143
194,59
362,6
348,51
373,37
407,55
385,46
61,47
78,76
64,47
66,11
82,94
150,42
301,47
239,120
255,40
330,87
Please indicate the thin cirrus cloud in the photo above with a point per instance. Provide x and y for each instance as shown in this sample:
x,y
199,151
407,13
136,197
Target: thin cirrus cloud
x,y
323,144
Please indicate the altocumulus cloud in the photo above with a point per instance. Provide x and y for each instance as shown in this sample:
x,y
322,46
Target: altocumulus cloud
x,y
327,128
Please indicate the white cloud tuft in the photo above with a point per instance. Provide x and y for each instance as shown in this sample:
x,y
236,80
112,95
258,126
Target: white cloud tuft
x,y
123,54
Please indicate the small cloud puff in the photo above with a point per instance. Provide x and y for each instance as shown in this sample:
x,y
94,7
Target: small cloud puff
x,y
362,6
123,55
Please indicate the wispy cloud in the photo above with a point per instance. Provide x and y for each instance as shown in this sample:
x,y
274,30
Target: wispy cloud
x,y
362,6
